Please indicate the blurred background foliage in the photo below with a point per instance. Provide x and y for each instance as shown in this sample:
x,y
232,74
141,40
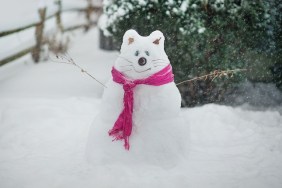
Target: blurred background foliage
x,y
207,35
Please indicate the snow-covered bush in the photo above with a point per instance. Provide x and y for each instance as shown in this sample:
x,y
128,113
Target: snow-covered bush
x,y
202,36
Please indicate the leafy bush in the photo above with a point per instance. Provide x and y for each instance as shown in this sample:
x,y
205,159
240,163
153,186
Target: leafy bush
x,y
201,36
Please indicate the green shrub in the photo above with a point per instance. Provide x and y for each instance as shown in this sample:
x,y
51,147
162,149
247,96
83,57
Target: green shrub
x,y
201,36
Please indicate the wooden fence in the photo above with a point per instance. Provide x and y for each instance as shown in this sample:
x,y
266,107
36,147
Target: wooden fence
x,y
39,28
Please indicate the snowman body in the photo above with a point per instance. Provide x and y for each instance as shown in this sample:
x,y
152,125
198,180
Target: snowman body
x,y
157,135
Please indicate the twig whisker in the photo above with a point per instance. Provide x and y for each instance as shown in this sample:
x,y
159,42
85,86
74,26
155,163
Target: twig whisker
x,y
159,65
215,74
125,59
70,61
126,66
158,60
126,70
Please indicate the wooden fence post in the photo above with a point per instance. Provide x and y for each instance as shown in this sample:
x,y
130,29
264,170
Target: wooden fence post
x,y
88,12
58,16
39,35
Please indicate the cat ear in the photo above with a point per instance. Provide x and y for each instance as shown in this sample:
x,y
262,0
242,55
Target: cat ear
x,y
129,37
157,37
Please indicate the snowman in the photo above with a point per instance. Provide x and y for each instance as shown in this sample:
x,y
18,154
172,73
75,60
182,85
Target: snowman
x,y
139,121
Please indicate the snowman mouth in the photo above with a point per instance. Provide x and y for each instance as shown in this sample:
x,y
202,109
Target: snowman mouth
x,y
141,71
133,68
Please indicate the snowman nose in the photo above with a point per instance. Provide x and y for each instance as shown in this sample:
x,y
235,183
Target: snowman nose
x,y
142,61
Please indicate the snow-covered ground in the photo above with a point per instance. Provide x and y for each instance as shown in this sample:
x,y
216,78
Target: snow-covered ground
x,y
24,13
46,111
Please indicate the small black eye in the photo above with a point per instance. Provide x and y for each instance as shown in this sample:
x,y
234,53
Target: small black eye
x,y
137,53
147,53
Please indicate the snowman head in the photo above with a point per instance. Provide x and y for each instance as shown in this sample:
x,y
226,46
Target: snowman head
x,y
140,57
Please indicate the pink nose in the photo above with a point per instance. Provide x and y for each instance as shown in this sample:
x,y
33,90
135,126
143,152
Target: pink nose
x,y
142,61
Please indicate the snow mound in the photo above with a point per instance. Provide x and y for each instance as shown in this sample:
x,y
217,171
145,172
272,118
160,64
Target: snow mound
x,y
44,147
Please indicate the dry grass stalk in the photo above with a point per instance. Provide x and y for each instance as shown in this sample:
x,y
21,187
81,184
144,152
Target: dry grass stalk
x,y
213,75
66,59
57,42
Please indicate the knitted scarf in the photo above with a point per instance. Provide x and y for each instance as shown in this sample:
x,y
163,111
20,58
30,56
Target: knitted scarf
x,y
123,125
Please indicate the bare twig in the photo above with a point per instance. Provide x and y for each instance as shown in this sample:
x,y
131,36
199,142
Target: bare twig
x,y
67,59
213,75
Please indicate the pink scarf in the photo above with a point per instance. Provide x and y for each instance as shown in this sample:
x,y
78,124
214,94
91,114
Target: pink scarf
x,y
123,125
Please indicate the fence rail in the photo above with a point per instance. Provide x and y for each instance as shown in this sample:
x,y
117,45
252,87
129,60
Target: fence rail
x,y
39,29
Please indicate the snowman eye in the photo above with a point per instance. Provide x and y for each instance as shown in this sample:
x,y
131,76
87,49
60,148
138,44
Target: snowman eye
x,y
137,53
147,53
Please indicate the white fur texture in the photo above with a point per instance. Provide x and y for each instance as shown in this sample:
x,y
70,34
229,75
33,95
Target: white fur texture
x,y
157,137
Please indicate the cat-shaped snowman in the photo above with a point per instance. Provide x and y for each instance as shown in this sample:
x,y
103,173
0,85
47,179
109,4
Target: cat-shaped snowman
x,y
139,121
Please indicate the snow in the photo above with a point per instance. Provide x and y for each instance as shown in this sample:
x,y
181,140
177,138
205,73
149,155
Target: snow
x,y
26,39
29,9
17,42
184,6
201,30
18,15
46,110
102,24
46,79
